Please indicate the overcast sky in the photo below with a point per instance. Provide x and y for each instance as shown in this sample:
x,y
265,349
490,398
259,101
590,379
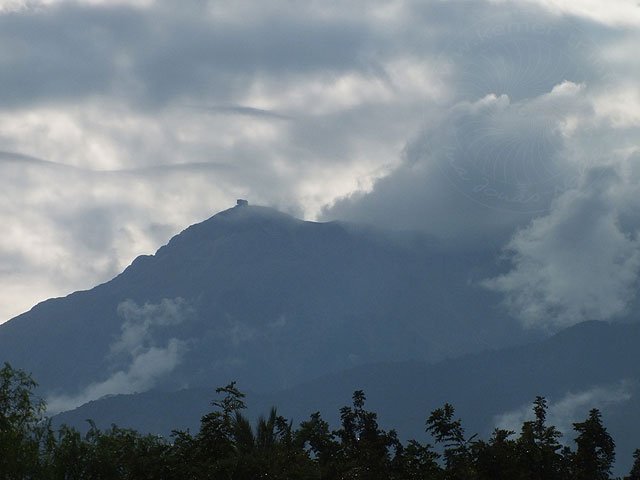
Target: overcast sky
x,y
489,123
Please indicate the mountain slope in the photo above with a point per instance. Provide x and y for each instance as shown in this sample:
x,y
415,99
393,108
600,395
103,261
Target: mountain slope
x,y
259,296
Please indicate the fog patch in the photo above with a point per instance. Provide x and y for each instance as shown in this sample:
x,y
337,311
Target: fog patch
x,y
143,361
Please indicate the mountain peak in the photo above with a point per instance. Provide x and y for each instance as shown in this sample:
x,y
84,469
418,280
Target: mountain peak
x,y
244,212
239,219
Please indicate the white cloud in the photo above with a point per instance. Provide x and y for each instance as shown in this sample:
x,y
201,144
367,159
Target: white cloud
x,y
613,12
55,244
577,263
8,6
621,106
142,374
482,168
144,361
141,321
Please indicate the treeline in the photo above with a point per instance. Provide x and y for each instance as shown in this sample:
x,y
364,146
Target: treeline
x,y
227,446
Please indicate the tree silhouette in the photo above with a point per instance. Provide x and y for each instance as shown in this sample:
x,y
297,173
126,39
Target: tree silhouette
x,y
538,447
23,429
635,470
449,432
364,450
228,447
595,454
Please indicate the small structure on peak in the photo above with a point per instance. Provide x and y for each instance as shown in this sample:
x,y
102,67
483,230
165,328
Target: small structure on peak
x,y
242,203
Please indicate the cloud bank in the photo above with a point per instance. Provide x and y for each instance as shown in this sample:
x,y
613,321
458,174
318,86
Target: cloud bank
x,y
480,123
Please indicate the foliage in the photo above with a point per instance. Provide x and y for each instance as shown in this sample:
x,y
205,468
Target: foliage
x,y
449,432
635,470
228,446
539,446
23,429
596,450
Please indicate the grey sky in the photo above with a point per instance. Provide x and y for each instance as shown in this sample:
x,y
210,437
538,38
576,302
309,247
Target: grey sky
x,y
486,123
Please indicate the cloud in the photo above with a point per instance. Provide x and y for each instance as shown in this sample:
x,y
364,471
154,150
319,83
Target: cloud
x,y
244,110
148,116
54,244
151,56
522,119
533,149
142,374
144,361
483,169
141,321
11,6
615,13
572,407
579,262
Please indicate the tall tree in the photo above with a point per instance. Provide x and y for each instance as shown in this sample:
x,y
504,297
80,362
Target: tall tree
x,y
635,470
364,451
457,449
216,449
418,462
496,459
23,428
316,436
538,447
595,454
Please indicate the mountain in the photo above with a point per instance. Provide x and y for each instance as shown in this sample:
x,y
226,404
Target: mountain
x,y
591,365
258,296
303,313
